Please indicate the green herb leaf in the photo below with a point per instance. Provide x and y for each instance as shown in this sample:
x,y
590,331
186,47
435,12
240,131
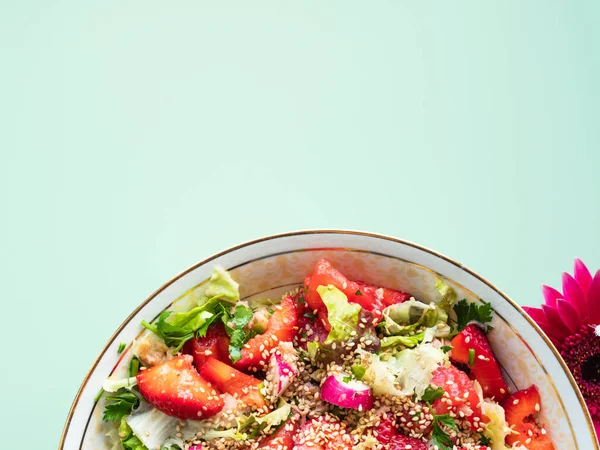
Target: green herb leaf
x,y
432,393
122,346
119,405
359,293
447,421
470,312
301,300
235,353
242,315
347,379
310,315
471,357
446,348
441,438
484,440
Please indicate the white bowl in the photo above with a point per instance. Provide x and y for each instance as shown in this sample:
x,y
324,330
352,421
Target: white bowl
x,y
277,263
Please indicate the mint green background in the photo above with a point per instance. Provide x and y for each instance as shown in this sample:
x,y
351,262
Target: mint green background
x,y
140,137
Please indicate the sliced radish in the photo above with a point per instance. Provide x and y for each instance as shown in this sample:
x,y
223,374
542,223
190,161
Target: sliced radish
x,y
282,374
351,394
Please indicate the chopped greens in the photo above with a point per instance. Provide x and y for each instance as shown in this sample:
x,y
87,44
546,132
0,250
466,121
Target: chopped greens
x,y
471,362
432,393
446,348
234,327
122,347
119,405
471,312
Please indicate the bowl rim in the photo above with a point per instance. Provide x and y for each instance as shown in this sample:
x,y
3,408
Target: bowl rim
x,y
234,248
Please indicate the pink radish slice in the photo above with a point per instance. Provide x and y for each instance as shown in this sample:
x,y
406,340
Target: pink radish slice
x,y
352,394
282,372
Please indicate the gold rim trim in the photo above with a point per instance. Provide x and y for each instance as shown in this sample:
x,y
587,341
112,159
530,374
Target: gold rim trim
x,y
332,231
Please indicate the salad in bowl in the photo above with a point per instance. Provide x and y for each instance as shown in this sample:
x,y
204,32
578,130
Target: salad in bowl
x,y
333,363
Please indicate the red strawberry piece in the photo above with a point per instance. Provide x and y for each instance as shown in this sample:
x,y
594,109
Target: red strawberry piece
x,y
521,410
281,327
402,442
459,395
369,297
388,435
486,369
176,388
227,379
282,439
215,344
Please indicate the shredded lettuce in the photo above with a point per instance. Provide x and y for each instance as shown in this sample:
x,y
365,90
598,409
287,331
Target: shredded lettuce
x,y
176,328
448,295
129,440
342,315
268,421
113,385
410,371
408,341
151,426
221,285
403,318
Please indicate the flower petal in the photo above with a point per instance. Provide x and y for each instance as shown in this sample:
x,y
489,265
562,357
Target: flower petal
x,y
582,275
569,315
574,295
551,295
550,333
535,313
593,300
554,319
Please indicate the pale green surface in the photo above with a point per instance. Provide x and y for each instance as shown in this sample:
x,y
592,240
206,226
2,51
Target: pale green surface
x,y
140,137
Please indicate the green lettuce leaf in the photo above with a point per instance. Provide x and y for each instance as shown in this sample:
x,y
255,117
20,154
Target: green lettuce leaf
x,y
408,341
402,318
128,439
342,315
448,295
221,285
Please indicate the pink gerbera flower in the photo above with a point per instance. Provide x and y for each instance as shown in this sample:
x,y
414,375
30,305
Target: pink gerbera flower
x,y
572,322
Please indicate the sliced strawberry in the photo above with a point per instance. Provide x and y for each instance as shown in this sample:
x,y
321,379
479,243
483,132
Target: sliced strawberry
x,y
521,410
230,380
176,388
215,344
324,433
486,369
459,395
371,298
388,435
281,327
282,439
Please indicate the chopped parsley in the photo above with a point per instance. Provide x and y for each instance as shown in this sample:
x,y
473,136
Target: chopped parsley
x,y
310,315
119,405
358,293
432,393
347,379
234,327
446,348
470,312
484,440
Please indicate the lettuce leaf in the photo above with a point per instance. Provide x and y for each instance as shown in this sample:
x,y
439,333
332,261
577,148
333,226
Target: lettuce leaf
x,y
408,372
151,426
113,385
176,328
129,440
342,315
402,318
221,285
408,341
448,295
